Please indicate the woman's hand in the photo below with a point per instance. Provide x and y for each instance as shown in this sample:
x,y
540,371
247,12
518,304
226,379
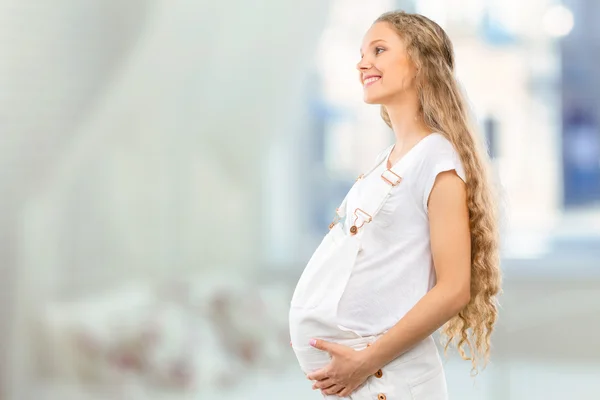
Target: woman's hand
x,y
347,370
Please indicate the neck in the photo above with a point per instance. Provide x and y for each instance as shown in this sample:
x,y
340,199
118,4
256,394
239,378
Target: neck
x,y
407,123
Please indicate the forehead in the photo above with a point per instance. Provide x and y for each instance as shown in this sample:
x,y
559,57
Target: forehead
x,y
381,31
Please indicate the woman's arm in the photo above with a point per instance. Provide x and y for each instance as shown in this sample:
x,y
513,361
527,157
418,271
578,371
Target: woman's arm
x,y
451,249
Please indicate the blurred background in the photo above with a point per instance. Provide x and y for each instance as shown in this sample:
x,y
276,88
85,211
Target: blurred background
x,y
168,166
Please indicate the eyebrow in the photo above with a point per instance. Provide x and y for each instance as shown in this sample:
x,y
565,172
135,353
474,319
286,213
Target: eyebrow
x,y
374,41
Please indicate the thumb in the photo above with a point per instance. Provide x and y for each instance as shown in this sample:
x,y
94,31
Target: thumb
x,y
323,345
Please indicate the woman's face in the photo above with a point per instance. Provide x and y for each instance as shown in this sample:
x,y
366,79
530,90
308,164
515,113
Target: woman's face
x,y
386,71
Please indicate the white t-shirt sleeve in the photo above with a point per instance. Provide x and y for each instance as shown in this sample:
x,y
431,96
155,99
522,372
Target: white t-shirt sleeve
x,y
442,158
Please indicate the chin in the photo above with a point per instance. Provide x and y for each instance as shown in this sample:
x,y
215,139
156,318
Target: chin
x,y
375,96
370,99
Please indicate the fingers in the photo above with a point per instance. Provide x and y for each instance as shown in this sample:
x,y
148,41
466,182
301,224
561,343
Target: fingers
x,y
347,391
330,347
323,384
320,344
335,389
318,375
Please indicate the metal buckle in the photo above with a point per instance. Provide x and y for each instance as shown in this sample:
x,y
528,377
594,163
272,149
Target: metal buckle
x,y
354,228
336,219
398,180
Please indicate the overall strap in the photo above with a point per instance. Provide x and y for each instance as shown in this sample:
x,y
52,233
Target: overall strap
x,y
376,198
341,210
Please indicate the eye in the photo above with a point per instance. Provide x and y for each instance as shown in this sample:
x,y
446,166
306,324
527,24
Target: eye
x,y
377,50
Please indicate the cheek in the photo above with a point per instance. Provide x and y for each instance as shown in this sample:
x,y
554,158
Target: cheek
x,y
399,74
400,80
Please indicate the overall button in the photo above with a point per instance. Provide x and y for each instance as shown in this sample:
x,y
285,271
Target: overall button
x,y
381,396
353,229
379,373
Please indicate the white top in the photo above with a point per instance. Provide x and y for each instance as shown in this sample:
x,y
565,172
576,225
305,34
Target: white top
x,y
394,269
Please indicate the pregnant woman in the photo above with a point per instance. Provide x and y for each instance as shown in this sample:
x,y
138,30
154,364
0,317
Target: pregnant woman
x,y
414,245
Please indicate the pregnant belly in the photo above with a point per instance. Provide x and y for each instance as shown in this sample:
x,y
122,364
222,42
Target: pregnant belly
x,y
315,324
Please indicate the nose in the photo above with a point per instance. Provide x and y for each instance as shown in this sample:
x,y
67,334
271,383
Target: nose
x,y
363,65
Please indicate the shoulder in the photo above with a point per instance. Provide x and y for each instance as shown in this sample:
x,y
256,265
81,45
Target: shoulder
x,y
439,155
438,145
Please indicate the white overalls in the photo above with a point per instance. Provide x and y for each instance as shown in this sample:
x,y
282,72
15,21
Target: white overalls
x,y
418,373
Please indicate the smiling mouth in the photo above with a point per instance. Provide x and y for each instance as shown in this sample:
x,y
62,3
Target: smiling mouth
x,y
370,81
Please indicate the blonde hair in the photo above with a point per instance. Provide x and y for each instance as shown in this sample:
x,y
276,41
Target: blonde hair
x,y
444,110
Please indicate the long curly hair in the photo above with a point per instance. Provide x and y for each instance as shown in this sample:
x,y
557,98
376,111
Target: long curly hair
x,y
444,110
